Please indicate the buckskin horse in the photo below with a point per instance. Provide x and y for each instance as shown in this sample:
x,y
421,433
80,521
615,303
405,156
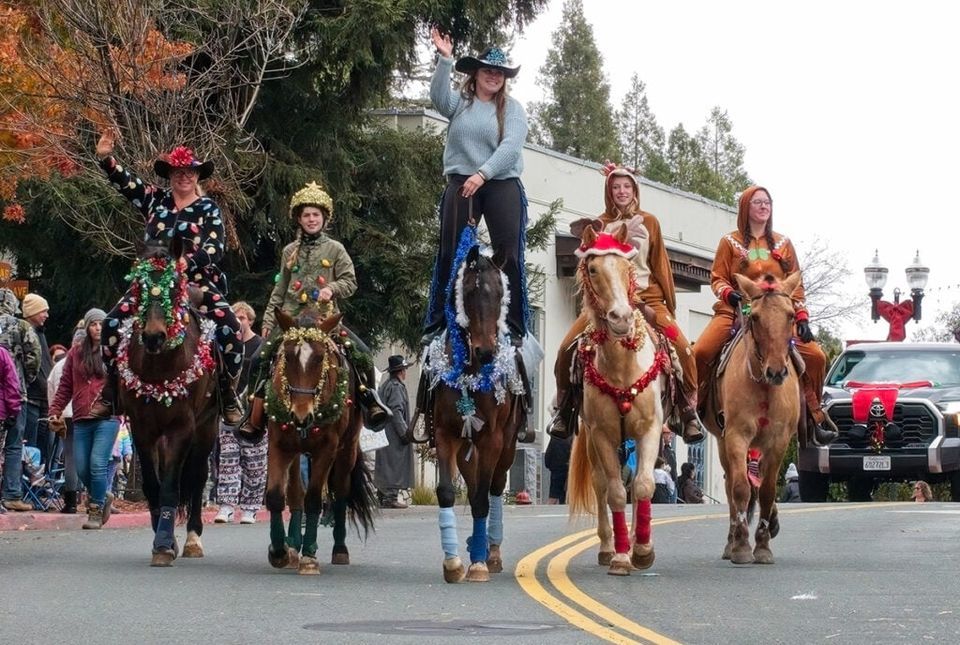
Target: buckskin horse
x,y
477,407
167,370
309,407
622,371
759,394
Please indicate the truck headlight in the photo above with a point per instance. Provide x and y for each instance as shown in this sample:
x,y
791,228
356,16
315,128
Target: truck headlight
x,y
951,416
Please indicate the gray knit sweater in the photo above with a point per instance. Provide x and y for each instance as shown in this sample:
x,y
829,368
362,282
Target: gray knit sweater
x,y
472,138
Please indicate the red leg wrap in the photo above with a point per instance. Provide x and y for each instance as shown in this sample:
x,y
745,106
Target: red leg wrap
x,y
621,537
644,514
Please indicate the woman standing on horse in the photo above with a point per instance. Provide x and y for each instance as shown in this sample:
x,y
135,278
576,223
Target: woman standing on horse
x,y
755,250
482,163
315,273
181,211
655,291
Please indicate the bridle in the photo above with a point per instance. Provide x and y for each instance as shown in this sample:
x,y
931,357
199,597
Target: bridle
x,y
746,322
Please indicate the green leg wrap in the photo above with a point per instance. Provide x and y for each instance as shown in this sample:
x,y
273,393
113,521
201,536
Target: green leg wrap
x,y
277,536
339,523
310,535
294,530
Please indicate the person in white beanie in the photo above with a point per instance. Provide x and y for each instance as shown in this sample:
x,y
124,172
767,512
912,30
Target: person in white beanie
x,y
791,492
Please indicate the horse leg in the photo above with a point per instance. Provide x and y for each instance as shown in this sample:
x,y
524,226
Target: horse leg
x,y
478,543
604,528
278,464
321,459
728,491
340,555
739,497
151,485
453,569
495,504
196,471
341,484
164,542
604,452
642,555
769,524
294,502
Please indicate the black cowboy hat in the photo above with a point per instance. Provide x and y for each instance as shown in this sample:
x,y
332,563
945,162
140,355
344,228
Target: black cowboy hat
x,y
492,58
396,363
182,157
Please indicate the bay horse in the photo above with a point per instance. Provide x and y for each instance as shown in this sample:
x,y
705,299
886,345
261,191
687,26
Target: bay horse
x,y
167,374
477,408
309,407
759,394
623,373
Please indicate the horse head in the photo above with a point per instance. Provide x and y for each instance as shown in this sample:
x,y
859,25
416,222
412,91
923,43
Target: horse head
x,y
482,299
308,366
606,278
163,293
770,323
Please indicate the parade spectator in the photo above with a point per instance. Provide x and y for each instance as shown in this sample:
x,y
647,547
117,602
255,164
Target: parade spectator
x,y
11,400
18,337
64,433
316,273
922,492
482,162
182,211
242,466
557,460
393,473
120,458
688,490
83,378
665,491
668,454
791,491
36,310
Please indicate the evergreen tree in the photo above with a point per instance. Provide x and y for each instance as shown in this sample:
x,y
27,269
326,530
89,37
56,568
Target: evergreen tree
x,y
576,118
723,156
685,159
641,137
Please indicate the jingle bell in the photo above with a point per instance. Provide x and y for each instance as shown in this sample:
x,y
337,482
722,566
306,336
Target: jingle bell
x,y
625,407
155,291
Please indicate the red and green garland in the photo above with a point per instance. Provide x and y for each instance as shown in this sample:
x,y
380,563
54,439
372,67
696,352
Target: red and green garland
x,y
170,289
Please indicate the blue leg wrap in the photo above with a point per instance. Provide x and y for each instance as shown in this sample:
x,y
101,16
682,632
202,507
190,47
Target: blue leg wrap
x,y
496,520
478,541
448,533
165,524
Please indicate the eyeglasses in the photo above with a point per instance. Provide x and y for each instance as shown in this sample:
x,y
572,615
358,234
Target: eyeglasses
x,y
761,202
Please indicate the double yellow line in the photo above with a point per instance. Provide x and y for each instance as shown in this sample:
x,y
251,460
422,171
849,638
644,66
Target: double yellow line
x,y
582,611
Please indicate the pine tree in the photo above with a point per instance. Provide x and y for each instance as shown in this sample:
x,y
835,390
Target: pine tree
x,y
723,156
685,160
641,137
576,118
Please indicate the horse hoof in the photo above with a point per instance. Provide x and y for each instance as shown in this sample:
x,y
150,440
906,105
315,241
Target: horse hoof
x,y
604,558
763,556
309,566
727,551
163,558
342,557
453,570
193,550
774,527
642,560
741,557
293,558
620,565
278,560
478,572
494,561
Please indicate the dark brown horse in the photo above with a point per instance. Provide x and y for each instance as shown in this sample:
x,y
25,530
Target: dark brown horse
x,y
310,411
478,409
168,391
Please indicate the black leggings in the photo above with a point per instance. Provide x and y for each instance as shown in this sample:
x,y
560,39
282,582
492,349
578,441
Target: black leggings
x,y
501,203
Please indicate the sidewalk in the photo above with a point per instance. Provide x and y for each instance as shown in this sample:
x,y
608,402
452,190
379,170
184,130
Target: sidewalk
x,y
38,521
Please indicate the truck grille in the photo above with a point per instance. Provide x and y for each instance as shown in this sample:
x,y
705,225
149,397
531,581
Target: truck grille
x,y
919,425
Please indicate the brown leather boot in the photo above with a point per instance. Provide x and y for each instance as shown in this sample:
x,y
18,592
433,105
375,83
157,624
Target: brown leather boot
x,y
825,431
253,428
566,418
230,410
375,411
94,518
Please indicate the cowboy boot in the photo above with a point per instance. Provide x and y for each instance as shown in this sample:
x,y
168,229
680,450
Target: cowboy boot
x,y
692,430
107,404
94,518
825,431
564,422
253,427
375,411
230,411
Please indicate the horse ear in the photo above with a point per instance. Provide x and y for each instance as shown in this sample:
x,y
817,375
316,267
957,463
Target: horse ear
x,y
747,286
588,237
330,323
621,234
284,319
790,284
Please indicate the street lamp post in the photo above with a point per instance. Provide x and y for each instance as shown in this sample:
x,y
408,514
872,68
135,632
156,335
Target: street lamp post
x,y
897,313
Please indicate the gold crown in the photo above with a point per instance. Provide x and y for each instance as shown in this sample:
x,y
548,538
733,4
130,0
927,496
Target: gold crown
x,y
312,194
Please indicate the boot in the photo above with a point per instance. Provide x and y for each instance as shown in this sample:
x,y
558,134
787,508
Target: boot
x,y
70,502
693,431
230,411
825,431
107,506
565,419
94,518
107,404
252,429
375,412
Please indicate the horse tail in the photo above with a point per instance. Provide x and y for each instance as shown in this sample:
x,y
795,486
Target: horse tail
x,y
581,497
362,499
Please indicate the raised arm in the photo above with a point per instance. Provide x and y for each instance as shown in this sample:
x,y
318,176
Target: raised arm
x,y
142,195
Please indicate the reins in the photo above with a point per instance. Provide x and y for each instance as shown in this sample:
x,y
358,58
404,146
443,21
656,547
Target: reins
x,y
746,322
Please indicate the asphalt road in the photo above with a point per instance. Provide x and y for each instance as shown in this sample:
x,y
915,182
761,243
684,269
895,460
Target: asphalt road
x,y
871,574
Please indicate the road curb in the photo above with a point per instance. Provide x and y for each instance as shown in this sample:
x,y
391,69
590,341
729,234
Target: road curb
x,y
37,521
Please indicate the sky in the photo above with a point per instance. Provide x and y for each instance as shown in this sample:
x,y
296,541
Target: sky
x,y
848,111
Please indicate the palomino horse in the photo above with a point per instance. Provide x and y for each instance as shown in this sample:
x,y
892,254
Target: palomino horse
x,y
477,410
310,411
168,383
622,368
759,393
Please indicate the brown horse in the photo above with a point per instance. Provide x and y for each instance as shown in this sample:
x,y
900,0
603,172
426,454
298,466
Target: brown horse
x,y
623,371
477,412
759,394
310,411
168,391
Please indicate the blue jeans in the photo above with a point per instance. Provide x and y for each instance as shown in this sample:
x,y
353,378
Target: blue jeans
x,y
12,456
93,441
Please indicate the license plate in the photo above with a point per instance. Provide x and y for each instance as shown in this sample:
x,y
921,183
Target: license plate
x,y
876,462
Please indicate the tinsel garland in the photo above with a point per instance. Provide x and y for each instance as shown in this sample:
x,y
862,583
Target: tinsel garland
x,y
170,289
170,389
622,396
